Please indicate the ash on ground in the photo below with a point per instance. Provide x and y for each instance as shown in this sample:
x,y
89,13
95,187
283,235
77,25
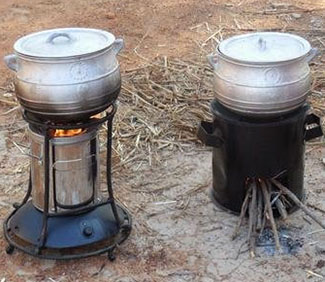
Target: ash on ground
x,y
290,242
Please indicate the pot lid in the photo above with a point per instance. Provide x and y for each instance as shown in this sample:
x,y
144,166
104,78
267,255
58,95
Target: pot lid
x,y
64,42
265,47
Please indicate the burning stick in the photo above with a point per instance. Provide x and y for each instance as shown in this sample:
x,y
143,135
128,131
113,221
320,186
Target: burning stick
x,y
252,221
270,213
242,213
281,208
293,197
259,222
285,201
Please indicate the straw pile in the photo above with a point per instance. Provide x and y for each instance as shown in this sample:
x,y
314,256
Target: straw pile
x,y
159,108
317,98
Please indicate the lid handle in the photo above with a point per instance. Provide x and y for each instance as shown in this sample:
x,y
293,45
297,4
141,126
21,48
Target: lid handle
x,y
261,44
54,35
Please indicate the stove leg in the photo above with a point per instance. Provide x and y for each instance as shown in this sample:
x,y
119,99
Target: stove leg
x,y
126,228
42,239
10,249
110,254
108,169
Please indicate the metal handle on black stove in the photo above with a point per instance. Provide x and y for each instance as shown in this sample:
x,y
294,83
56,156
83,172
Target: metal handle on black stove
x,y
313,128
208,135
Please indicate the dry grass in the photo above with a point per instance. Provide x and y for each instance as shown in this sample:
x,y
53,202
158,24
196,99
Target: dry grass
x,y
160,107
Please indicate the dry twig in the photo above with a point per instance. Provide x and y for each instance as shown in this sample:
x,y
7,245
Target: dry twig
x,y
252,221
270,213
242,213
294,198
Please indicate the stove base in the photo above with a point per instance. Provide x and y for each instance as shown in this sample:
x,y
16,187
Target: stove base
x,y
68,237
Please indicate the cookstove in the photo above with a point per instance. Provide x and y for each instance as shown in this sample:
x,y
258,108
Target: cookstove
x,y
261,121
67,82
67,216
246,147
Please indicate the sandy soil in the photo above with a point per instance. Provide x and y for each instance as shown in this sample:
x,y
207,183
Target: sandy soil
x,y
184,237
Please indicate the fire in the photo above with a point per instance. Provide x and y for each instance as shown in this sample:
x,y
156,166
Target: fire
x,y
72,132
67,132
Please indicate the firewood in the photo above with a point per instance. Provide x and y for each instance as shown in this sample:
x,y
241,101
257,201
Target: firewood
x,y
281,208
294,198
270,213
285,201
259,220
252,221
242,213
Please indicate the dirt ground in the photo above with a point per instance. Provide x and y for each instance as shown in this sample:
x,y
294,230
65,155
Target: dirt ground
x,y
178,234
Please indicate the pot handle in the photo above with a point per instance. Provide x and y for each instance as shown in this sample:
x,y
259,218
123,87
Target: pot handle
x,y
212,59
311,54
313,128
11,62
118,45
209,136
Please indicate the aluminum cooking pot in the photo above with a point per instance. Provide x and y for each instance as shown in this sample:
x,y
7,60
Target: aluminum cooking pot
x,y
66,74
262,74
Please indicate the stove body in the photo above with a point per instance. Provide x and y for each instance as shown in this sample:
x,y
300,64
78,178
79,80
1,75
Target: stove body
x,y
247,147
74,170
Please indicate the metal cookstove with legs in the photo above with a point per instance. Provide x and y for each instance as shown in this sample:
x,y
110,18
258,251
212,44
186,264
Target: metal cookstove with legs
x,y
67,82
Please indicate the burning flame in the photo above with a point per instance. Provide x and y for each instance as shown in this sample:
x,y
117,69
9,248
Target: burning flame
x,y
67,132
72,132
